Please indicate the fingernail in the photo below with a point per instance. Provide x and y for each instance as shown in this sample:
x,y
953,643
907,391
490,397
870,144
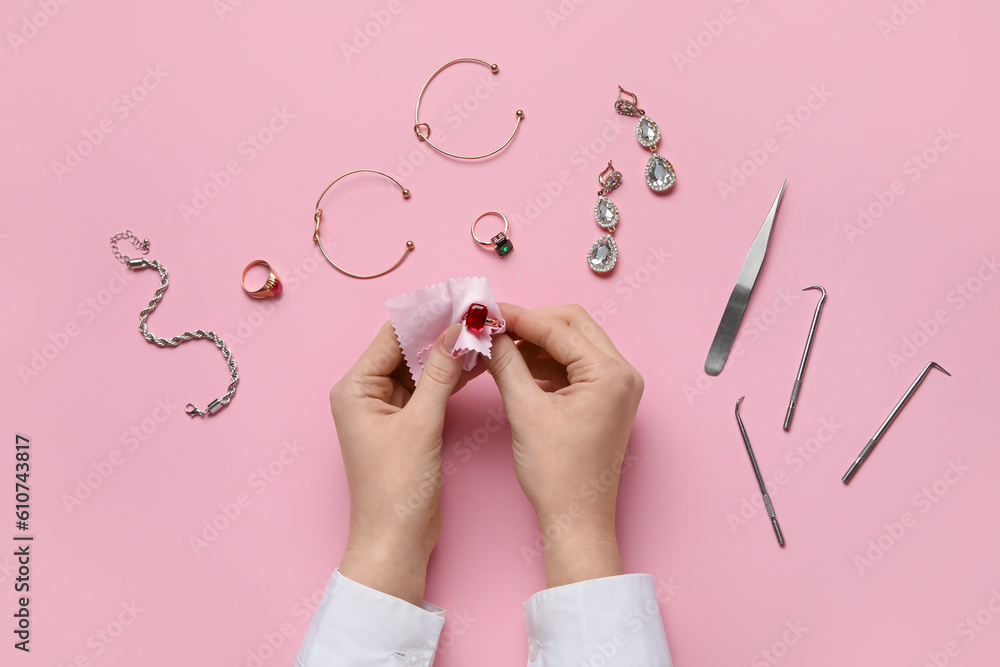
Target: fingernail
x,y
450,338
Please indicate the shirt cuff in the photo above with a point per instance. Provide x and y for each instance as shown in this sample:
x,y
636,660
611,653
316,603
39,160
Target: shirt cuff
x,y
613,621
359,626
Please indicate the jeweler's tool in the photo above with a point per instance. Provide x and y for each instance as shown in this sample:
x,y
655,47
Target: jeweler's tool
x,y
760,480
805,357
888,420
733,315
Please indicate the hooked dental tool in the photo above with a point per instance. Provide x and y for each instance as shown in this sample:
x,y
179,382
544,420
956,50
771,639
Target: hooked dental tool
x,y
733,315
760,480
805,357
888,420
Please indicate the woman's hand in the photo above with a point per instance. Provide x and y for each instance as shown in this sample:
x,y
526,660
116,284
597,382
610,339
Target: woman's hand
x,y
390,438
570,398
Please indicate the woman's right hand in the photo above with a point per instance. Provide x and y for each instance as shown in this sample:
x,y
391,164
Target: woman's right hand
x,y
570,398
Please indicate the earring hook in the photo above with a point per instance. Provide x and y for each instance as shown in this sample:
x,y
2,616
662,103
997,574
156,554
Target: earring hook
x,y
610,179
317,218
426,136
627,108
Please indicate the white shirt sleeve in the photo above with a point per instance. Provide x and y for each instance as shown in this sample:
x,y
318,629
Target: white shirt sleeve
x,y
358,626
612,622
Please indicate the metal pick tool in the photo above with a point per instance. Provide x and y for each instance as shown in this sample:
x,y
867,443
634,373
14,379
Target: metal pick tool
x,y
805,357
760,480
888,420
733,315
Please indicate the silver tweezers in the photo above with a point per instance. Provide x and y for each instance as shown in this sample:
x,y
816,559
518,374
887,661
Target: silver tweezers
x,y
733,315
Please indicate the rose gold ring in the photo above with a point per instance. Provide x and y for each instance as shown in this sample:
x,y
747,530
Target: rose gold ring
x,y
272,286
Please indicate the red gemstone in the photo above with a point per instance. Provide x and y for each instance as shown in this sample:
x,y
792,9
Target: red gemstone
x,y
276,289
475,319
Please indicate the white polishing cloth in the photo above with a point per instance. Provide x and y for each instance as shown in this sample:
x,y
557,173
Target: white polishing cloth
x,y
420,317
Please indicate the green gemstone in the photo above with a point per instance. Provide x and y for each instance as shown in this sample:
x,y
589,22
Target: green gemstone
x,y
503,246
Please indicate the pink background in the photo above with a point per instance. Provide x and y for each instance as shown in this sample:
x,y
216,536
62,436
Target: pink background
x,y
887,96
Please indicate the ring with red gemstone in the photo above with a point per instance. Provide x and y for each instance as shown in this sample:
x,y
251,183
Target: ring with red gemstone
x,y
477,318
271,287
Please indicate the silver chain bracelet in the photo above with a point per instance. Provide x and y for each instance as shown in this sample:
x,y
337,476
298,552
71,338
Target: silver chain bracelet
x,y
140,263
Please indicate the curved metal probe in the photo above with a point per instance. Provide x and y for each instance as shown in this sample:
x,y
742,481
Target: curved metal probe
x,y
888,420
805,357
760,480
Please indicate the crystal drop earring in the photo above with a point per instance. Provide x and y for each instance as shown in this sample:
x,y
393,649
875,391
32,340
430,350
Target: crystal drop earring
x,y
604,253
660,175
